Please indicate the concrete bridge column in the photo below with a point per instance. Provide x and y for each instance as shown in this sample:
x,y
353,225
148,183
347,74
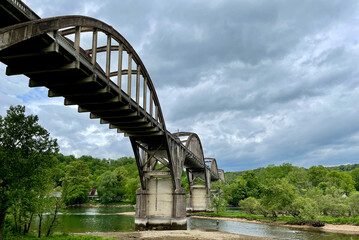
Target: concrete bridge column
x,y
161,201
160,207
199,200
199,197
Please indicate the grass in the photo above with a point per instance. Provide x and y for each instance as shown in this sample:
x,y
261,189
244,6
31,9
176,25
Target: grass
x,y
280,219
232,214
57,237
340,220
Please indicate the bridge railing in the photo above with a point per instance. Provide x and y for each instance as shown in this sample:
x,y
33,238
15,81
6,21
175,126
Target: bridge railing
x,y
119,62
25,9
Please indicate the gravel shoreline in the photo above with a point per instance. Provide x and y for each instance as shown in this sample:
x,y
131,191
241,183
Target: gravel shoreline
x,y
174,235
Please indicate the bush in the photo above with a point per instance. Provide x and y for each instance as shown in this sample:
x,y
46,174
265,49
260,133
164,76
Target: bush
x,y
304,208
249,205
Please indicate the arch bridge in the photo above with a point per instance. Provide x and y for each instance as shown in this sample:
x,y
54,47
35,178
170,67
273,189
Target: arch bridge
x,y
91,65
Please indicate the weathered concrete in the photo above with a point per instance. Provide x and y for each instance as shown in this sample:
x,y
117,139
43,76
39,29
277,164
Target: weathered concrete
x,y
159,207
199,200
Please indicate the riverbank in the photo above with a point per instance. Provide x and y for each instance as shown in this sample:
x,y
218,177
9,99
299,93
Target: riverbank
x,y
334,228
173,235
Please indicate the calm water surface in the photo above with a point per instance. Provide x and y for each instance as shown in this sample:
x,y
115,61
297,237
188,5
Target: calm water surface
x,y
262,230
82,220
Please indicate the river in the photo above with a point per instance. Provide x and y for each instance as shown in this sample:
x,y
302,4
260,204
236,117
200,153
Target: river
x,y
81,220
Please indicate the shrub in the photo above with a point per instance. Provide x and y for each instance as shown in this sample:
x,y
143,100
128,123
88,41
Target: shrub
x,y
249,205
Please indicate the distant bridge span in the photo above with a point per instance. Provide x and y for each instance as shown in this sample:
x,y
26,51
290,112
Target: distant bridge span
x,y
108,79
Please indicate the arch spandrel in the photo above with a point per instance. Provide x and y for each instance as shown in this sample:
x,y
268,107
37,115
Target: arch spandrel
x,y
213,166
193,143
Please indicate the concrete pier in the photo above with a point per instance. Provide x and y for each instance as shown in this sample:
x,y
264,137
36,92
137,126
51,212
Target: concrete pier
x,y
159,207
198,201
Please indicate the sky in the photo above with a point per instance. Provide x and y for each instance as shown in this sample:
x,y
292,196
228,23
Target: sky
x,y
260,82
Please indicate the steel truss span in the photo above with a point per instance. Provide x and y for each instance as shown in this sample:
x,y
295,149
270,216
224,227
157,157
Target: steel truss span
x,y
91,65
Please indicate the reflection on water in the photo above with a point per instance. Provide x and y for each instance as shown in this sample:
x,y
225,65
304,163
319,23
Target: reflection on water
x,y
80,220
263,230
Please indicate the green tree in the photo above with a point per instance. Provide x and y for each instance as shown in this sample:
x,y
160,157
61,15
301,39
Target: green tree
x,y
340,180
278,196
275,172
299,178
236,192
305,208
353,204
317,174
26,153
333,205
76,184
253,186
249,205
355,177
217,196
108,188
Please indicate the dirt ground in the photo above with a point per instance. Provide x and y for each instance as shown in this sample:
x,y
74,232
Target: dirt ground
x,y
174,235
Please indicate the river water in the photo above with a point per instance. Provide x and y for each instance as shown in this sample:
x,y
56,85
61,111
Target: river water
x,y
81,220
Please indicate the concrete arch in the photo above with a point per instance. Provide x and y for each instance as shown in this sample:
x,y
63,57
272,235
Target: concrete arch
x,y
221,175
193,143
213,166
74,24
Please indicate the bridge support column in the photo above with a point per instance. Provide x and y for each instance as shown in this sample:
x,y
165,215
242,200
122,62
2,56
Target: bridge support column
x,y
161,201
159,207
199,197
199,200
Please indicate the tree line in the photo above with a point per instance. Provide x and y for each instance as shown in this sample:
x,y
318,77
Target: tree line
x,y
115,180
299,192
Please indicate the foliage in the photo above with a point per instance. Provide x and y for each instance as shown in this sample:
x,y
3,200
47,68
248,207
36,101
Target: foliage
x,y
355,177
108,188
277,196
249,205
305,208
27,167
76,184
298,177
353,204
124,168
340,180
217,197
317,174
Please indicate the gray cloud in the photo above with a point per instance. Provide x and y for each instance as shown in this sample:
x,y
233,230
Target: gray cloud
x,y
260,82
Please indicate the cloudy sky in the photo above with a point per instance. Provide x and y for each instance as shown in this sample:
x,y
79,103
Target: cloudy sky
x,y
261,82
